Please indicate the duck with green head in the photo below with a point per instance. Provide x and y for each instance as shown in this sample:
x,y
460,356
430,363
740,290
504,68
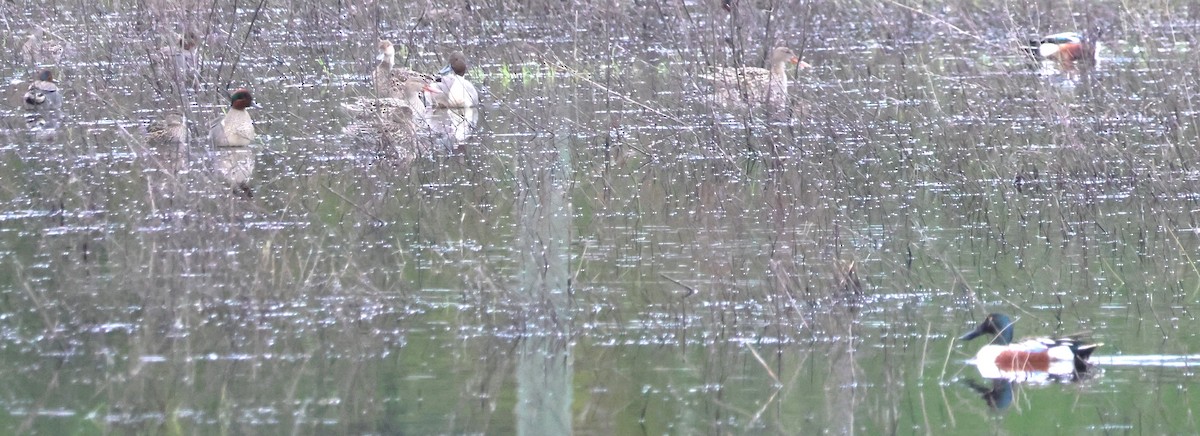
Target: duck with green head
x,y
1067,354
235,129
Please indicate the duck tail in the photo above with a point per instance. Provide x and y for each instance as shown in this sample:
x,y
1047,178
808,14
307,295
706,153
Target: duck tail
x,y
1084,351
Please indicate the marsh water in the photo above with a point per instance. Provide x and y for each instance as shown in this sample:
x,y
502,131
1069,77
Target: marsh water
x,y
602,251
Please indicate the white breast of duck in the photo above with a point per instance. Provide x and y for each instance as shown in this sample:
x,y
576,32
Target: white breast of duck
x,y
452,91
235,129
238,128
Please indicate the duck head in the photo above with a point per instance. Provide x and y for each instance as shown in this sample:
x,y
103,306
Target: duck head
x,y
784,55
174,118
387,51
458,64
995,324
241,99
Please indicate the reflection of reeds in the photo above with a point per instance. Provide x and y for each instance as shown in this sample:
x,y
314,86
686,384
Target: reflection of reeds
x,y
919,179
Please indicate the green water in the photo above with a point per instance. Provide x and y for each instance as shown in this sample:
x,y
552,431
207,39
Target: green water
x,y
606,253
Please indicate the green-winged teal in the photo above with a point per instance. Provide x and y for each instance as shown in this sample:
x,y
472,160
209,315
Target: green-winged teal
x,y
171,129
235,129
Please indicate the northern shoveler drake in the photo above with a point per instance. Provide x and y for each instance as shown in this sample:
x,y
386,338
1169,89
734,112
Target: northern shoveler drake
x,y
753,85
1066,47
43,92
452,89
1003,358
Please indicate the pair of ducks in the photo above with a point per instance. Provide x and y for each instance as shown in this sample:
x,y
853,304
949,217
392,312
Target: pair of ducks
x,y
234,129
448,89
231,135
753,86
390,119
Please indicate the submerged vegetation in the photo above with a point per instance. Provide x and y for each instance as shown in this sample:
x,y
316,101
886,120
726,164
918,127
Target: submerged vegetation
x,y
598,236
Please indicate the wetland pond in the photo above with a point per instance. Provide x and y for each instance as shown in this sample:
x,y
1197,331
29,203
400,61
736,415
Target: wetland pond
x,y
599,249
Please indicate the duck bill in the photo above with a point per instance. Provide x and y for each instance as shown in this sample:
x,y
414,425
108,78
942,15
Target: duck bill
x,y
799,64
432,90
972,335
445,70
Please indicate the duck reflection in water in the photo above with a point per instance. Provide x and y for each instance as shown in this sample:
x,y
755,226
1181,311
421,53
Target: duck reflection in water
x,y
998,395
450,127
235,166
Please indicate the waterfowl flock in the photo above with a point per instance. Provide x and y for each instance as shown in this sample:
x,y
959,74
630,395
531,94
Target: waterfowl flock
x,y
395,116
390,122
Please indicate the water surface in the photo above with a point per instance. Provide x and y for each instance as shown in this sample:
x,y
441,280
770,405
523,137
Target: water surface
x,y
605,253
